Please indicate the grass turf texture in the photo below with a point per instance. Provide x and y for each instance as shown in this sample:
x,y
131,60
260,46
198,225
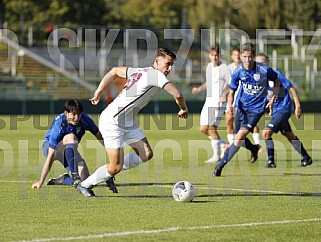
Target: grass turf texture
x,y
248,203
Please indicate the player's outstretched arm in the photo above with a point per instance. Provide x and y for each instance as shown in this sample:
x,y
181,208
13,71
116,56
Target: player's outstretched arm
x,y
171,89
230,100
297,103
99,137
45,169
107,79
198,89
223,97
276,89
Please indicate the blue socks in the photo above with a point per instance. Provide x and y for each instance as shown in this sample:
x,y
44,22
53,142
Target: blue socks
x,y
73,157
248,145
229,153
296,143
68,181
298,146
270,149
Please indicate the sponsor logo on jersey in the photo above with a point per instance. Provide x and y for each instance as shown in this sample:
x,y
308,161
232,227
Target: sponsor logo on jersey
x,y
256,77
251,89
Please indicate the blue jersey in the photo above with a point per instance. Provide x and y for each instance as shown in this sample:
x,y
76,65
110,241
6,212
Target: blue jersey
x,y
254,86
59,128
282,103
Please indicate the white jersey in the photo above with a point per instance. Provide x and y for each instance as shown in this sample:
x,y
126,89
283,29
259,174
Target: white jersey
x,y
232,67
141,86
217,78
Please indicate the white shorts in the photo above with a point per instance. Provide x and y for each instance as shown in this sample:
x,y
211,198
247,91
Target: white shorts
x,y
212,115
116,136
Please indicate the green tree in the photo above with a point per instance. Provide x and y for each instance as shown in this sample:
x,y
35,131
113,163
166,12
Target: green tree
x,y
66,11
272,14
303,15
246,15
155,13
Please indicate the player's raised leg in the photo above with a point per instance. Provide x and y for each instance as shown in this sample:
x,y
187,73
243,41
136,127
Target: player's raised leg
x,y
298,146
231,151
143,152
103,173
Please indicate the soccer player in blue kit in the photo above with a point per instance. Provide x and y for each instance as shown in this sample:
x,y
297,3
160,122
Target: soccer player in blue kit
x,y
280,118
253,78
61,143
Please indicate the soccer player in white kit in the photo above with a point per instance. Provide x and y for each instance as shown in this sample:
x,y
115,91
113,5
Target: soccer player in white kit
x,y
218,77
118,121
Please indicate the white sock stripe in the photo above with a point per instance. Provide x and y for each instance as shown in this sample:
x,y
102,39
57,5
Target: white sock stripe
x,y
100,175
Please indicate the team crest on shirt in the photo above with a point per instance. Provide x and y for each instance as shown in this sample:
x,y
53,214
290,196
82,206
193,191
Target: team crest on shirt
x,y
78,130
256,77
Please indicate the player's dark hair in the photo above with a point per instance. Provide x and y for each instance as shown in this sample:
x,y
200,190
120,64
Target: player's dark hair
x,y
164,52
73,105
215,49
266,57
236,49
248,47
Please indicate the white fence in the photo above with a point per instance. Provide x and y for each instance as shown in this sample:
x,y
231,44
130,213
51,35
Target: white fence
x,y
88,53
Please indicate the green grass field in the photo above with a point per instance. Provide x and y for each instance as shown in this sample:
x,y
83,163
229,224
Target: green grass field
x,y
248,203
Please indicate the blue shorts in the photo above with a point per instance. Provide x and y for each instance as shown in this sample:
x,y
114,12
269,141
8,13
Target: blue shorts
x,y
58,155
246,120
280,122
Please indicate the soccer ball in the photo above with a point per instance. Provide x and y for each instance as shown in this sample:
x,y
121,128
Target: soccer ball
x,y
183,191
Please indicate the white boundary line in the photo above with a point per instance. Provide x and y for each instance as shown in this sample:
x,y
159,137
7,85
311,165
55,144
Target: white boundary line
x,y
197,187
9,181
173,229
231,189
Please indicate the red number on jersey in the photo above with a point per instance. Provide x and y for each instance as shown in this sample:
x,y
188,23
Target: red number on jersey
x,y
133,79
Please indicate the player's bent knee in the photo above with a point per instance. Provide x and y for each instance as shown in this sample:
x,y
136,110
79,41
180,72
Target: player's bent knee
x,y
70,139
148,155
114,169
204,129
266,134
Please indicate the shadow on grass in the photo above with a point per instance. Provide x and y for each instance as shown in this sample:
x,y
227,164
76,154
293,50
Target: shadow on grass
x,y
212,196
202,196
148,184
300,194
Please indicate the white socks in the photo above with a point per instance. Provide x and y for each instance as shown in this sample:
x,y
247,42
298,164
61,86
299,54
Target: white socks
x,y
100,175
215,143
256,138
230,138
131,160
